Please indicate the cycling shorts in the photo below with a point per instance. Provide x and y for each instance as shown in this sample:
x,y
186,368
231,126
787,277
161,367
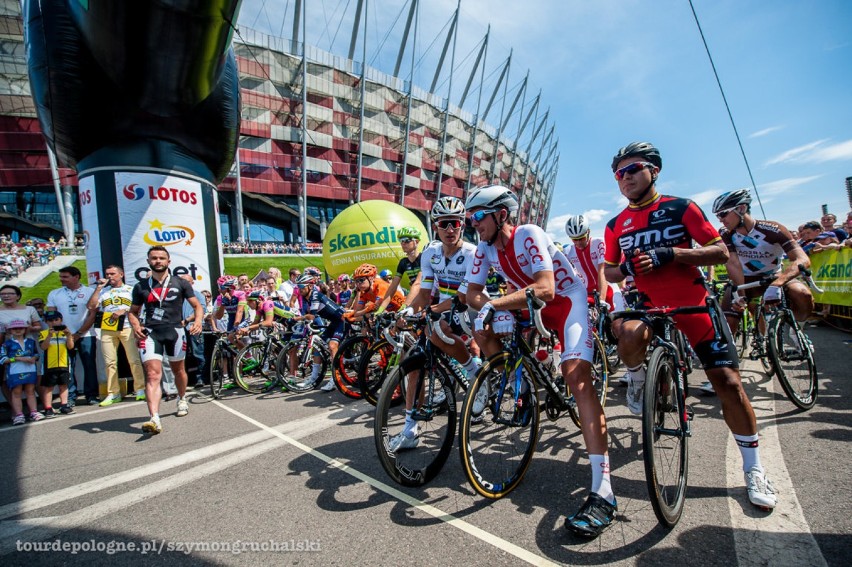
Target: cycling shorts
x,y
569,316
455,323
163,342
334,331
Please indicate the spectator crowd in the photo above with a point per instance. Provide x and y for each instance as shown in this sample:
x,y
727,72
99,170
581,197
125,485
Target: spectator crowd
x,y
271,248
825,234
18,257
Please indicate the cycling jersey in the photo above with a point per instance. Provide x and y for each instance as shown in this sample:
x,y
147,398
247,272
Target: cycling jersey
x,y
586,262
760,250
162,305
409,268
493,283
231,304
279,311
447,275
376,293
321,306
343,297
672,222
529,251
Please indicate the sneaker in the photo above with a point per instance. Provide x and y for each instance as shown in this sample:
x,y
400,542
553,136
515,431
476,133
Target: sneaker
x,y
140,395
761,493
35,416
328,386
49,413
182,407
634,396
199,385
92,401
110,399
480,401
72,403
250,365
593,517
400,442
707,388
152,427
19,419
67,409
229,386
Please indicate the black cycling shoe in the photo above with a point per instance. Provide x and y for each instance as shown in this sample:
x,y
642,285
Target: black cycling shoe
x,y
593,517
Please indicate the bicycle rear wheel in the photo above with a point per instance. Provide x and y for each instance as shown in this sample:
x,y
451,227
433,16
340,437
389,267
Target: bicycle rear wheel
x,y
254,371
665,448
344,367
793,360
218,369
301,380
496,446
373,369
436,422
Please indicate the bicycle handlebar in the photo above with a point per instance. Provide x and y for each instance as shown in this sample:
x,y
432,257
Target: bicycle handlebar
x,y
535,306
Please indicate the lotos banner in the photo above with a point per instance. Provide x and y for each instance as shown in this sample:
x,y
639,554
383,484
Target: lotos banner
x,y
832,271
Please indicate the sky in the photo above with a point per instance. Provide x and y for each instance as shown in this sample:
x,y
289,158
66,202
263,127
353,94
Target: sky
x,y
618,71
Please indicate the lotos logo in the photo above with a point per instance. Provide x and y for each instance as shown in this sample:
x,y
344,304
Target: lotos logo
x,y
160,235
134,192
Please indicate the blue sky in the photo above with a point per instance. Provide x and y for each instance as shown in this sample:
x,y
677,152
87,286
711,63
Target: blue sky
x,y
616,71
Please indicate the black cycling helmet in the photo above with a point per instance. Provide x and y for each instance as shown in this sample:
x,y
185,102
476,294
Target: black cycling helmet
x,y
642,149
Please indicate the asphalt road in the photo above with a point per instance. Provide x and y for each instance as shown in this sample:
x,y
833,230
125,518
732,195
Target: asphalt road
x,y
299,472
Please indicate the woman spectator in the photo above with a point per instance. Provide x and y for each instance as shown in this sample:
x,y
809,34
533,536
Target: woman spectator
x,y
12,310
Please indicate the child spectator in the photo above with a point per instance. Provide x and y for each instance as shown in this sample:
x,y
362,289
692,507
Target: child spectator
x,y
20,354
56,341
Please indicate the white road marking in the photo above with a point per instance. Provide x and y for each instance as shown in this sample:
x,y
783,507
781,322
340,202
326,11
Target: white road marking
x,y
756,533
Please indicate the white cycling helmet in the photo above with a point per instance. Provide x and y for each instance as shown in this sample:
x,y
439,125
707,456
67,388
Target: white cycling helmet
x,y
492,197
731,199
448,207
577,226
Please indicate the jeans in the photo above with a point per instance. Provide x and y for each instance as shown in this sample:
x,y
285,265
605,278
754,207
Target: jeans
x,y
87,349
195,357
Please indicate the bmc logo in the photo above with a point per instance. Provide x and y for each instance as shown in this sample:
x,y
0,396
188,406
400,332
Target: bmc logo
x,y
135,192
650,238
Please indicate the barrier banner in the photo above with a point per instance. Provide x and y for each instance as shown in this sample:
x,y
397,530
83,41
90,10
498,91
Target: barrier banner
x,y
832,272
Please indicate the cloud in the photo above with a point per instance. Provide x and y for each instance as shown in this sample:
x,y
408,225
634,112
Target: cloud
x,y
596,217
815,152
765,131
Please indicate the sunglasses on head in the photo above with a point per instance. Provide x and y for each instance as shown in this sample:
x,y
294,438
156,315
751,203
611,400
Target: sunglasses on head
x,y
479,216
447,224
632,168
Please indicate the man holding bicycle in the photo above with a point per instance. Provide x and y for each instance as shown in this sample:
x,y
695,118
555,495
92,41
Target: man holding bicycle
x,y
651,241
527,258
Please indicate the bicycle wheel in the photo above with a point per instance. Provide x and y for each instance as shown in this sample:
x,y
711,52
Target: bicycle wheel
x,y
218,369
497,446
302,380
436,423
741,334
793,359
373,369
600,371
344,367
665,450
253,369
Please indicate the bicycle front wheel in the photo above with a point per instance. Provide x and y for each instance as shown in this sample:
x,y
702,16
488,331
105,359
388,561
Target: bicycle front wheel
x,y
496,444
344,367
665,448
793,359
297,358
373,369
254,370
422,459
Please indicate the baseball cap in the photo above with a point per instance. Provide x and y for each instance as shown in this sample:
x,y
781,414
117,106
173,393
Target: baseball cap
x,y
17,324
52,315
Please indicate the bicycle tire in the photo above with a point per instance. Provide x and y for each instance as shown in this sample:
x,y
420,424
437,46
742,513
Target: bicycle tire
x,y
301,382
419,465
496,450
741,335
373,369
217,372
665,455
344,366
254,378
794,362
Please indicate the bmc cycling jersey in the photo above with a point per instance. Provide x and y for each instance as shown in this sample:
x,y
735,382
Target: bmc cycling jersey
x,y
408,268
761,249
671,222
376,293
231,304
529,251
447,275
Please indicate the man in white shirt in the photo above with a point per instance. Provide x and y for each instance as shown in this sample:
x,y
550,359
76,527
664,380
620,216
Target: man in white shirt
x,y
71,300
285,290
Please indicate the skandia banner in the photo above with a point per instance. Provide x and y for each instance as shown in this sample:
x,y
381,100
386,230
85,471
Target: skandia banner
x,y
832,272
365,233
91,232
162,210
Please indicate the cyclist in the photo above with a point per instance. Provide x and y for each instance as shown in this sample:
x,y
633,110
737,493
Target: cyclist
x,y
756,248
231,301
345,295
319,305
444,264
369,290
163,335
386,275
651,241
527,258
586,254
495,284
409,266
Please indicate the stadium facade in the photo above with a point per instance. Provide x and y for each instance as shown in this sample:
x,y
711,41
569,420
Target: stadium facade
x,y
414,146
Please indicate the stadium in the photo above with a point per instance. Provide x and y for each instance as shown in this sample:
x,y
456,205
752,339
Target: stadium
x,y
367,133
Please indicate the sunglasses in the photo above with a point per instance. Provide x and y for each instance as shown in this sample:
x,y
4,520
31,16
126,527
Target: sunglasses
x,y
578,238
361,280
455,224
405,240
722,214
479,216
632,168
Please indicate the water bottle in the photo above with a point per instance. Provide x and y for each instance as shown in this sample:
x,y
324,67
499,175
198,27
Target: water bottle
x,y
547,360
556,358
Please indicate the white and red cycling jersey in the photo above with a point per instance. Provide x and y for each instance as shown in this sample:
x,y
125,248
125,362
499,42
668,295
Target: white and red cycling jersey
x,y
587,262
529,251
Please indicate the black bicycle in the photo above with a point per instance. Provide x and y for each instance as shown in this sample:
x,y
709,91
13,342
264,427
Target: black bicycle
x,y
256,364
222,363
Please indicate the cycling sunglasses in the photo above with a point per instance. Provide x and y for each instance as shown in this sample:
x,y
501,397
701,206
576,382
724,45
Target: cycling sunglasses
x,y
361,280
405,240
479,216
632,168
447,224
722,214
